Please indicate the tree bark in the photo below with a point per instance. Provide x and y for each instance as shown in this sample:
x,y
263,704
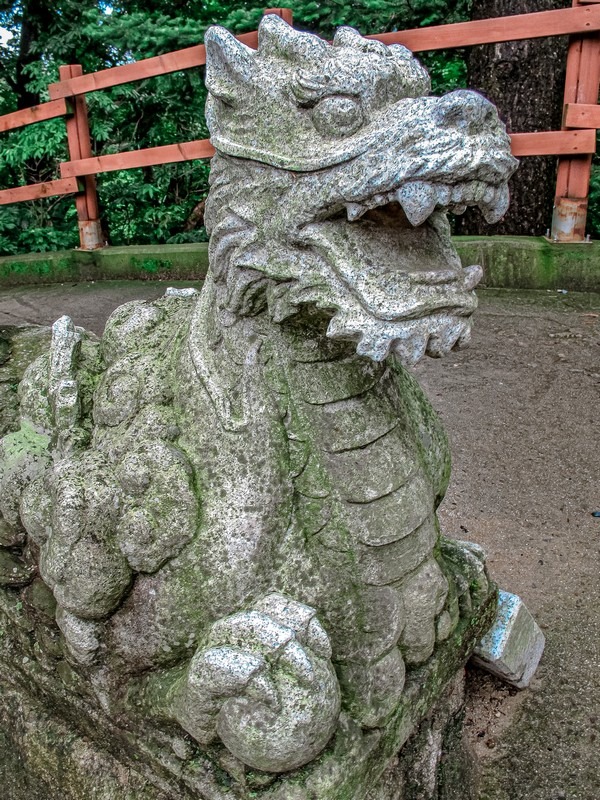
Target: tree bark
x,y
196,218
36,20
525,80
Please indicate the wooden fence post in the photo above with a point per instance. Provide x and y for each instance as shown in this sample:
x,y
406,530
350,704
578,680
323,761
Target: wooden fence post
x,y
582,84
285,14
78,137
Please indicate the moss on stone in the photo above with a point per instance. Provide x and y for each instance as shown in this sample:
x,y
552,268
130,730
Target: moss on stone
x,y
24,441
42,758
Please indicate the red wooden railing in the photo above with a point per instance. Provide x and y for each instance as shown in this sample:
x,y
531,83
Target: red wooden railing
x,y
574,144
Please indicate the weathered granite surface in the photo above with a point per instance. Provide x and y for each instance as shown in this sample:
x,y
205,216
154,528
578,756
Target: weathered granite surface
x,y
220,553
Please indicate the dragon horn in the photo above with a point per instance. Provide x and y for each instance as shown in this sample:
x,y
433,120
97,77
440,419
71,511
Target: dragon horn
x,y
230,65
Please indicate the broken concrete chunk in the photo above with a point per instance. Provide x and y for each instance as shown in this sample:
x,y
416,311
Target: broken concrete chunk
x,y
513,646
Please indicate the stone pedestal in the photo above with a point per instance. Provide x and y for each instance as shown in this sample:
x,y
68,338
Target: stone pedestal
x,y
436,762
46,757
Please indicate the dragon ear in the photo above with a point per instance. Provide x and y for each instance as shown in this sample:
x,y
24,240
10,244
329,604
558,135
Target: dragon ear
x,y
349,37
277,38
230,65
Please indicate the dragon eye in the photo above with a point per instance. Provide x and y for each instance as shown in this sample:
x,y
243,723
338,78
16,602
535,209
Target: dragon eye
x,y
337,116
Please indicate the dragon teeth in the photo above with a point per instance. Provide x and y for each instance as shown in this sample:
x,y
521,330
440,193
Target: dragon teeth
x,y
494,203
412,349
478,189
472,192
444,194
458,193
355,211
375,201
449,337
418,199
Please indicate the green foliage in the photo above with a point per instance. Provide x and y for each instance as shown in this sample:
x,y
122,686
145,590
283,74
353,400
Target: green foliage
x,y
141,206
149,205
448,70
594,201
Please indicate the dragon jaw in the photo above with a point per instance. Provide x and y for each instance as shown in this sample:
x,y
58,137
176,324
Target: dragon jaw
x,y
345,173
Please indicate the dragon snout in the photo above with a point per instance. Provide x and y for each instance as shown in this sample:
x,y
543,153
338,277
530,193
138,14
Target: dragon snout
x,y
467,110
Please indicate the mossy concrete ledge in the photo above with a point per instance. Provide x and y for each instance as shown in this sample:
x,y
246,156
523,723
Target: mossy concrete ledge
x,y
140,262
530,262
509,262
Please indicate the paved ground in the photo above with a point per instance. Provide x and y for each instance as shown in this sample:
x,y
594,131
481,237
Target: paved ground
x,y
522,407
88,304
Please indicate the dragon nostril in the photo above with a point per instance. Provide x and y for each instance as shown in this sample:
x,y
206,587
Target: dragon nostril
x,y
448,110
465,109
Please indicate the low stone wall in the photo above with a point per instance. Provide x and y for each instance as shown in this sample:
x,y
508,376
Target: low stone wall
x,y
529,262
140,262
511,262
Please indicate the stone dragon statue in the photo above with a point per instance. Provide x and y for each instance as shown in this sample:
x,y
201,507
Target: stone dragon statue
x,y
228,502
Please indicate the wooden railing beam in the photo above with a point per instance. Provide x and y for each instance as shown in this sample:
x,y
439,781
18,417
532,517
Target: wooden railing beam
x,y
554,143
28,116
149,157
500,29
37,191
581,115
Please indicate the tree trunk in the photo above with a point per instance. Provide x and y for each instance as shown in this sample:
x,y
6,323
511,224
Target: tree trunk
x,y
196,218
526,81
36,20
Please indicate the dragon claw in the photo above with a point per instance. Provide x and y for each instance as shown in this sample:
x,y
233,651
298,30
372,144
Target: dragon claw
x,y
251,629
467,561
264,677
295,659
301,619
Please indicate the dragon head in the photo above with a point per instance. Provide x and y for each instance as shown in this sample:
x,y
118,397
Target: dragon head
x,y
332,181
